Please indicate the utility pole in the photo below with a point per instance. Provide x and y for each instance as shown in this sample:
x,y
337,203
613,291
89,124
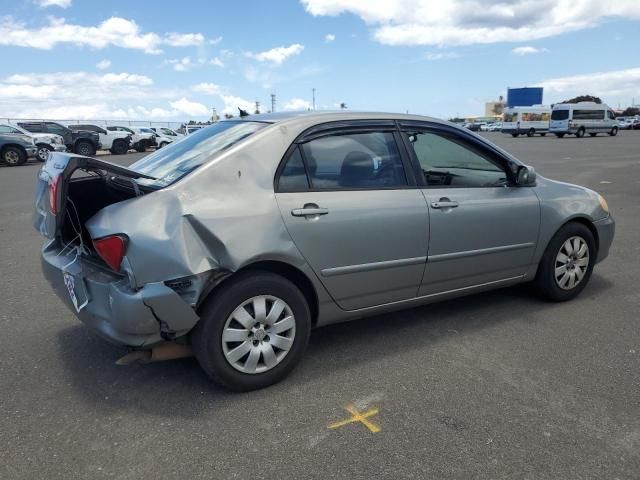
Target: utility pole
x,y
314,98
273,102
257,107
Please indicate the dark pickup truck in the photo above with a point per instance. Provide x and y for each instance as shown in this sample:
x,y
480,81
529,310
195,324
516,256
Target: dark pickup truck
x,y
80,141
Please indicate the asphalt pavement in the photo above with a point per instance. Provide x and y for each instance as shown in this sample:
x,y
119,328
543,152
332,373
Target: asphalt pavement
x,y
500,385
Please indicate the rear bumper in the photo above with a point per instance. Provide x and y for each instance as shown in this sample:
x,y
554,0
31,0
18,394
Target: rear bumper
x,y
134,318
606,229
58,147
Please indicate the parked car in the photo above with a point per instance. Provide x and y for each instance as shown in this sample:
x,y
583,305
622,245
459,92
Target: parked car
x,y
581,118
473,126
80,142
117,142
16,149
494,127
137,141
240,238
162,139
147,138
45,142
167,132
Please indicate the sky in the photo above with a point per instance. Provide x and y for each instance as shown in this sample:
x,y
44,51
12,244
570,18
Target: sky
x,y
175,61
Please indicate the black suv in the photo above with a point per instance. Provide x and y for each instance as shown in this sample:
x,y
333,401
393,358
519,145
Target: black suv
x,y
80,142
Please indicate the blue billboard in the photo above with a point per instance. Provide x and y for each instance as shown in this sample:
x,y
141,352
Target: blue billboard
x,y
524,97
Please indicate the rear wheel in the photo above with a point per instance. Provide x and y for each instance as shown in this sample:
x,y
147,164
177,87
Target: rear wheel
x,y
543,134
14,156
43,152
531,132
119,147
580,132
567,263
514,135
252,331
614,131
593,134
85,148
560,135
163,144
140,147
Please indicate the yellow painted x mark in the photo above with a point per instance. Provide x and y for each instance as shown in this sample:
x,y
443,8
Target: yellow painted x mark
x,y
358,417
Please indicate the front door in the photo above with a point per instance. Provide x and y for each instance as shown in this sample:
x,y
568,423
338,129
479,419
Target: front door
x,y
355,216
483,228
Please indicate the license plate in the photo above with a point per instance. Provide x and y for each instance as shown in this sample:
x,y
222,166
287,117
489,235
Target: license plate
x,y
70,283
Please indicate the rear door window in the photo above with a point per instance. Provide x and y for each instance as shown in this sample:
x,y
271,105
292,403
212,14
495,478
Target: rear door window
x,y
354,161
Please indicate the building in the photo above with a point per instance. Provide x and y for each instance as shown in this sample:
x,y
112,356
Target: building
x,y
494,109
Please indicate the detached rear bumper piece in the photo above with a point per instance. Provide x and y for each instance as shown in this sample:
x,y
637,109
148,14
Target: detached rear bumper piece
x,y
110,307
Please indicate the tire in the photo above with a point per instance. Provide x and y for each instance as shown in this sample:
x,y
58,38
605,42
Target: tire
x,y
613,132
14,156
580,132
163,144
531,132
119,147
543,134
140,148
43,152
85,148
217,317
546,282
515,135
560,135
593,134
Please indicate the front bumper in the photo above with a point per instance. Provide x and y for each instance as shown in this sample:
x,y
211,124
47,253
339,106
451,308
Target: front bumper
x,y
134,318
31,151
606,229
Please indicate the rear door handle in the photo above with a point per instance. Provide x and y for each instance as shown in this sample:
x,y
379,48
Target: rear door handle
x,y
309,211
444,203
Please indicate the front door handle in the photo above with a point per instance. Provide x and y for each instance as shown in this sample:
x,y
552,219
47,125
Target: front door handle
x,y
309,209
444,203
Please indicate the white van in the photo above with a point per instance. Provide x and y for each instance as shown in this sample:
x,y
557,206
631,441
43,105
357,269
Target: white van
x,y
583,117
526,120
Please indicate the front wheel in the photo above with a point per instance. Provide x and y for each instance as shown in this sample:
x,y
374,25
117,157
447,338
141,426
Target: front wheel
x,y
614,131
567,263
531,132
140,148
85,148
560,135
14,156
119,147
543,134
580,132
515,135
43,152
252,331
593,134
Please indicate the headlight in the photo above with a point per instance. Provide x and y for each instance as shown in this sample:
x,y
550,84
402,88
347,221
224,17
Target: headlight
x,y
603,203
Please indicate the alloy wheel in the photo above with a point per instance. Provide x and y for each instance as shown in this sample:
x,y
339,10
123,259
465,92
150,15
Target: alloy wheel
x,y
572,262
258,334
12,158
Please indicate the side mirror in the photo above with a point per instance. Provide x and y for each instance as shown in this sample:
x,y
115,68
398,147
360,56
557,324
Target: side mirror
x,y
526,176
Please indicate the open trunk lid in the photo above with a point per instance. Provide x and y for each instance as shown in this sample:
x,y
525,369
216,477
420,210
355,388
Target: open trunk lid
x,y
50,206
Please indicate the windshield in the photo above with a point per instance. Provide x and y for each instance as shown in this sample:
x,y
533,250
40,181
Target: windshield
x,y
560,115
177,159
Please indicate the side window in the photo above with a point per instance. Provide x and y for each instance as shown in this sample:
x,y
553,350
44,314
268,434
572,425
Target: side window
x,y
34,127
357,160
612,116
8,129
112,129
446,160
293,177
55,128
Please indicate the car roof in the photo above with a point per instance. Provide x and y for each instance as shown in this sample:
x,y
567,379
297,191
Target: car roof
x,y
333,115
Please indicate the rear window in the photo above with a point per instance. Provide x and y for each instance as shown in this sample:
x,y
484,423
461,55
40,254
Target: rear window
x,y
560,115
174,161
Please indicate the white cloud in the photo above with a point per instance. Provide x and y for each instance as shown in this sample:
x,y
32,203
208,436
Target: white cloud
x,y
329,37
433,56
232,103
103,64
521,51
207,88
215,41
615,85
184,39
54,3
297,104
190,108
114,31
277,55
217,62
180,64
464,22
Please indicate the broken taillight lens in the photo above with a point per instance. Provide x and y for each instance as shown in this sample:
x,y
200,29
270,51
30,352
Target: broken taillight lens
x,y
111,249
53,195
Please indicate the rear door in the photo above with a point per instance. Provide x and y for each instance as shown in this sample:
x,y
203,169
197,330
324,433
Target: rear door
x,y
349,201
483,229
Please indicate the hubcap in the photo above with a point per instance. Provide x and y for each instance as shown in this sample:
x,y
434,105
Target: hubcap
x,y
571,263
11,157
43,154
258,334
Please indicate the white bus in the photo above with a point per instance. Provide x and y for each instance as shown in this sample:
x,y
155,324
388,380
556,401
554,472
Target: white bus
x,y
526,120
583,117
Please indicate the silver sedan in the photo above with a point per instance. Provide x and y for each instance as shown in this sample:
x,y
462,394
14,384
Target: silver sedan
x,y
239,239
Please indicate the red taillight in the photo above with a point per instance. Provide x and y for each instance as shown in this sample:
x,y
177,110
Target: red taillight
x,y
111,249
53,195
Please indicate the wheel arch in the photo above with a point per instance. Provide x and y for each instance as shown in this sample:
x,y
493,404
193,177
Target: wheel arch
x,y
16,145
587,222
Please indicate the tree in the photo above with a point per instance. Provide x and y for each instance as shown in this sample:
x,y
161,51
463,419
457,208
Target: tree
x,y
583,98
630,112
228,115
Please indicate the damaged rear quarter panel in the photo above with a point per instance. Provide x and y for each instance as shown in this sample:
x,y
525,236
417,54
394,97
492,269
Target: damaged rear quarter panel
x,y
223,216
